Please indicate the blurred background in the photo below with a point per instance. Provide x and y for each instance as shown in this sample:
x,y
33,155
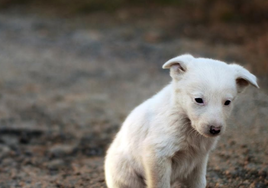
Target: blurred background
x,y
71,71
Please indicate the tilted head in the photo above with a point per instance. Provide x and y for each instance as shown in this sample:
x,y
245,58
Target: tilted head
x,y
205,89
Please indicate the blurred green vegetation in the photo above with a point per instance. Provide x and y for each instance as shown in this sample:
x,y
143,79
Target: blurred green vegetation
x,y
208,10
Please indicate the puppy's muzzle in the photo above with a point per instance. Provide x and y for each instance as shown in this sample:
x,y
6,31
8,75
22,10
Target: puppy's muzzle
x,y
214,130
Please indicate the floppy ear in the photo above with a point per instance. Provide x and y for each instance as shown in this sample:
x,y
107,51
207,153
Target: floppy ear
x,y
243,78
178,65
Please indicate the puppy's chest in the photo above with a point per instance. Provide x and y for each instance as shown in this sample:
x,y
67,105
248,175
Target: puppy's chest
x,y
185,160
183,163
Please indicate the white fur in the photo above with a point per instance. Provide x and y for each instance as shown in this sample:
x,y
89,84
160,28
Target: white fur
x,y
166,139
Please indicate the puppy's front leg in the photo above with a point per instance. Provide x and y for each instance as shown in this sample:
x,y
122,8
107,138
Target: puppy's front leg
x,y
197,179
157,170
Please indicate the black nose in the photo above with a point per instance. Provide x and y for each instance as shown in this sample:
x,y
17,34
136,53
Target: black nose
x,y
214,130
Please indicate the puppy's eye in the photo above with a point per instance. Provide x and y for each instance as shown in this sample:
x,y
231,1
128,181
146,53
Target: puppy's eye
x,y
199,100
227,102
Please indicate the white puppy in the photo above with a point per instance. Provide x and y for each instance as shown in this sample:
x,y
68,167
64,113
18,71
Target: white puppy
x,y
167,139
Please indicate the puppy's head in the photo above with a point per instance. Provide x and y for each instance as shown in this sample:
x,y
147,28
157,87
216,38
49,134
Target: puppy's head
x,y
205,89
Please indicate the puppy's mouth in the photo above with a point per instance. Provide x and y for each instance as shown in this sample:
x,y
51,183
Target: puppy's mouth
x,y
210,133
206,133
201,133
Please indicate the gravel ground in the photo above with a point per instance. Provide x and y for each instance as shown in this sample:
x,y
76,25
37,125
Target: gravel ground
x,y
68,83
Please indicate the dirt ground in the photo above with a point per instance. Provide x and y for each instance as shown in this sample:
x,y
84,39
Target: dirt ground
x,y
67,83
